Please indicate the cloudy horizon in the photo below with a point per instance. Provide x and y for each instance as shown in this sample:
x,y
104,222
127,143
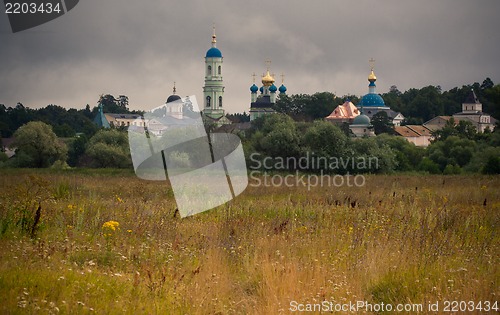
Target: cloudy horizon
x,y
140,49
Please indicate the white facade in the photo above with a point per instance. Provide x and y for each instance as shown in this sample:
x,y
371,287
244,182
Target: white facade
x,y
472,111
213,90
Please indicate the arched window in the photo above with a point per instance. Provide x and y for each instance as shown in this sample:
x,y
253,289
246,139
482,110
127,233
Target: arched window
x,y
209,70
220,101
220,70
209,99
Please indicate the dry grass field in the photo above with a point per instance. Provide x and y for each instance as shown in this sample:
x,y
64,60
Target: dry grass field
x,y
105,242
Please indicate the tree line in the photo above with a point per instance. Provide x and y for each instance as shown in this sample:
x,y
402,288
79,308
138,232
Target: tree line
x,y
457,148
64,122
417,105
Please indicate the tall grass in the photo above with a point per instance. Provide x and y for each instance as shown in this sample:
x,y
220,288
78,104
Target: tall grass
x,y
399,239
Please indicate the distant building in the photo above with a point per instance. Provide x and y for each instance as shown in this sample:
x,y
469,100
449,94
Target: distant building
x,y
100,120
472,111
374,103
173,107
263,104
213,90
344,113
418,135
361,126
121,120
437,123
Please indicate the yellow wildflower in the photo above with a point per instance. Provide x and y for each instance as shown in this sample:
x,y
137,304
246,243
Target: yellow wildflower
x,y
111,226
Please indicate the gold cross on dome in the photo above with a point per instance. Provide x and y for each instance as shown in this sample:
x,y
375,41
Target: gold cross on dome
x,y
372,63
282,78
268,64
253,76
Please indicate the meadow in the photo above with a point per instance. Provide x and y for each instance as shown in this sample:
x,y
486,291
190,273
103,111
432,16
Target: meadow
x,y
106,242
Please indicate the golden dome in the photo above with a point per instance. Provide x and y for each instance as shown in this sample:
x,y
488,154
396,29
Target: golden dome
x,y
372,76
267,80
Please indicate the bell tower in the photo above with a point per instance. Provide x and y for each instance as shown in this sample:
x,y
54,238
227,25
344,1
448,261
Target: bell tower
x,y
213,90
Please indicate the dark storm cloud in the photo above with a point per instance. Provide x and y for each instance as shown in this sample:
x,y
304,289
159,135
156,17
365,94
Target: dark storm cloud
x,y
140,48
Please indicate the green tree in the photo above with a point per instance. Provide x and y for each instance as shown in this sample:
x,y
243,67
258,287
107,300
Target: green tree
x,y
427,165
37,146
368,149
325,139
279,136
109,148
408,155
64,130
112,105
492,107
462,129
453,151
382,123
492,165
77,149
487,84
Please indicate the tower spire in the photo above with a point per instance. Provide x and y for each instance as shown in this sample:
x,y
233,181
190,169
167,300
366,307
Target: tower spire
x,y
214,37
268,64
372,63
372,78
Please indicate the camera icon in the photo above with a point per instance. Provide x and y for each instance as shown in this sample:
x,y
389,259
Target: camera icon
x,y
205,170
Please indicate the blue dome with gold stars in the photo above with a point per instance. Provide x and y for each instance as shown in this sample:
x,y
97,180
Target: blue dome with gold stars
x,y
372,100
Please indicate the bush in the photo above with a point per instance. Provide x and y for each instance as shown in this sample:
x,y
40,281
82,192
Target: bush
x,y
492,165
3,157
452,170
38,146
109,148
427,165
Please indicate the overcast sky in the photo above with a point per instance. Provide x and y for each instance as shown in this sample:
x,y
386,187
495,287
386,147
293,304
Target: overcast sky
x,y
139,48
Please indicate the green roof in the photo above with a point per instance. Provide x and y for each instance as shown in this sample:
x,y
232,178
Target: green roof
x,y
361,120
100,120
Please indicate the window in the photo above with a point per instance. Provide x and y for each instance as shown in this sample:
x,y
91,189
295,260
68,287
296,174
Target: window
x,y
208,101
220,70
220,101
209,70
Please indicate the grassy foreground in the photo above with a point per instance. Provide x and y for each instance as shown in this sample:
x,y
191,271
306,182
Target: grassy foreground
x,y
109,243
